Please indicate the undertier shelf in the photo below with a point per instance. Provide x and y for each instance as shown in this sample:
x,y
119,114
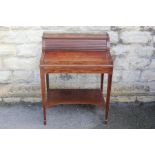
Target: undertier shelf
x,y
75,96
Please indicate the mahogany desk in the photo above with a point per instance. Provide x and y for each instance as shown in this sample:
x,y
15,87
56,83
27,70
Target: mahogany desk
x,y
75,53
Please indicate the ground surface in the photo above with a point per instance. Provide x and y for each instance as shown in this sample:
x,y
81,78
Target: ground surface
x,y
122,116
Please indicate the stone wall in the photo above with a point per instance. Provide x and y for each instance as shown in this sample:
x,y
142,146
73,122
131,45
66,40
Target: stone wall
x,y
132,48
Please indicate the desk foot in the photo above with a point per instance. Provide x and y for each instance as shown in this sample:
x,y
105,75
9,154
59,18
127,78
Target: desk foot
x,y
44,122
106,122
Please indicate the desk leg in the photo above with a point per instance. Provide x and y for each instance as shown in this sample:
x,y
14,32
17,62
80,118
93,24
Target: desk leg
x,y
102,79
100,105
47,81
108,97
42,77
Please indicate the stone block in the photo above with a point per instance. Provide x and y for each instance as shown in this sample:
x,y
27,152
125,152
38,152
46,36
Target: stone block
x,y
76,29
113,37
1,64
133,50
146,98
123,99
147,28
151,86
152,65
138,63
135,37
130,75
148,75
24,90
117,75
29,50
154,38
7,49
141,51
5,76
129,88
4,28
25,28
3,35
22,76
22,36
11,100
36,79
89,29
127,28
4,89
120,50
16,63
121,63
31,99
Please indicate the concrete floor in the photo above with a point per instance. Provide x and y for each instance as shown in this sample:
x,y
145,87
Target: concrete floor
x,y
122,116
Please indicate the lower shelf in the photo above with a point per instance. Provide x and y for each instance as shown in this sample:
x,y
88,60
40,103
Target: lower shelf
x,y
75,96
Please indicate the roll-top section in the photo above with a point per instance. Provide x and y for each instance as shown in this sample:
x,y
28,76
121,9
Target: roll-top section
x,y
76,42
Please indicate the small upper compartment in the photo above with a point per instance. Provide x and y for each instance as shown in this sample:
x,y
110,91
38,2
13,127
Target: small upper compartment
x,y
75,42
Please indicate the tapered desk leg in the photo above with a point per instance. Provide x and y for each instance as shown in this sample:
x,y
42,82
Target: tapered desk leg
x,y
108,97
102,79
42,76
100,105
47,81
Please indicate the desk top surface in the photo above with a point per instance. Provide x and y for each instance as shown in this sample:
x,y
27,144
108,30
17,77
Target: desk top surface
x,y
68,58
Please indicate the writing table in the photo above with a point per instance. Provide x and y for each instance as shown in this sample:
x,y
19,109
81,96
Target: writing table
x,y
75,53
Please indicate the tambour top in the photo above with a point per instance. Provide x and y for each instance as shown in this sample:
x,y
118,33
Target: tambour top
x,y
75,42
47,35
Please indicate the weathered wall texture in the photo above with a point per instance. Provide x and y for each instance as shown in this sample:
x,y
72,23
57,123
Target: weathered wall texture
x,y
132,48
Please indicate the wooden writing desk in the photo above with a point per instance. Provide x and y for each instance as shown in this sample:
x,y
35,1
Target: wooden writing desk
x,y
75,53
